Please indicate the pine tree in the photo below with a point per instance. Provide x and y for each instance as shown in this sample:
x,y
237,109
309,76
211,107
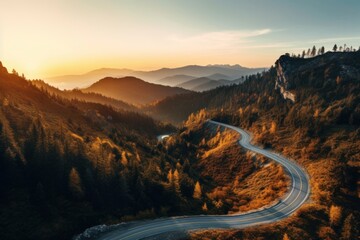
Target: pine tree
x,y
313,51
335,48
322,50
308,52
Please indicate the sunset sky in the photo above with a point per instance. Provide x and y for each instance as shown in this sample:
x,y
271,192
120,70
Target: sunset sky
x,y
54,37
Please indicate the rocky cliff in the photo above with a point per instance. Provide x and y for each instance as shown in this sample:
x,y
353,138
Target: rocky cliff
x,y
320,72
281,82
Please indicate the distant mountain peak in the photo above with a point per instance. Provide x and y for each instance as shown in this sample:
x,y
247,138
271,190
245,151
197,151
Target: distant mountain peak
x,y
235,66
133,90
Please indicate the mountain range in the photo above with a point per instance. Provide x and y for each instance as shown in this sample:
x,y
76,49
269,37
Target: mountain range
x,y
165,76
70,160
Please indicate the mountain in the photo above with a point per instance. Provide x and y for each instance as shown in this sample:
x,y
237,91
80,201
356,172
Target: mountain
x,y
309,110
66,165
156,76
296,76
86,79
175,80
218,76
210,85
199,71
193,83
133,90
77,94
207,83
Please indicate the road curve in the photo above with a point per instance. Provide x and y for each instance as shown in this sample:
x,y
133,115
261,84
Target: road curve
x,y
295,197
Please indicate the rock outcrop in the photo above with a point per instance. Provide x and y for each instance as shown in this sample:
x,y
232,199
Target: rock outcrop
x,y
281,82
320,72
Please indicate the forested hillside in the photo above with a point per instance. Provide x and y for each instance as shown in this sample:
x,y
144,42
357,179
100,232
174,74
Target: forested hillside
x,y
77,94
133,90
320,128
66,165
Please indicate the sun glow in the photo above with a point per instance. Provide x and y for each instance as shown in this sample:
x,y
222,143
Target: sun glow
x,y
42,38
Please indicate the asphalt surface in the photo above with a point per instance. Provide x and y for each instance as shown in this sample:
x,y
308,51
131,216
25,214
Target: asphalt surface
x,y
295,197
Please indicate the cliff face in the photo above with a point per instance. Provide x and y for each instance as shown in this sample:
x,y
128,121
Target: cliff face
x,y
320,72
281,81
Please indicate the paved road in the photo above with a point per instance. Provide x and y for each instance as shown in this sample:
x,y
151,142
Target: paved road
x,y
295,197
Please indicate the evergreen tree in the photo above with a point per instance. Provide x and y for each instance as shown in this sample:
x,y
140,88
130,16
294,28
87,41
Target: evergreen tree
x,y
313,51
335,48
322,50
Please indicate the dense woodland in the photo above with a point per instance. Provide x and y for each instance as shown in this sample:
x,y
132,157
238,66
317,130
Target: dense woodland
x,y
70,163
66,165
321,130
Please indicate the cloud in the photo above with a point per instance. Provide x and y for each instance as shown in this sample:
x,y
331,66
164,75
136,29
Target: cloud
x,y
221,39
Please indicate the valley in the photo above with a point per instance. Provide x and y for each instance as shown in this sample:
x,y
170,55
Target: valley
x,y
71,149
179,120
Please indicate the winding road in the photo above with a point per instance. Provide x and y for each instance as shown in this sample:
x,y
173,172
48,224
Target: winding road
x,y
295,197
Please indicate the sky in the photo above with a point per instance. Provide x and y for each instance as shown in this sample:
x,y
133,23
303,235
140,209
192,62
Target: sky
x,y
43,38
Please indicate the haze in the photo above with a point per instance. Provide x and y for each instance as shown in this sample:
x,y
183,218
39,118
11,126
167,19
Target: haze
x,y
43,38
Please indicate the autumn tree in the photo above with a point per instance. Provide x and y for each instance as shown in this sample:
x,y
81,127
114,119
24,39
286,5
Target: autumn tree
x,y
176,180
335,215
170,177
124,159
286,237
204,207
316,113
75,185
197,191
273,127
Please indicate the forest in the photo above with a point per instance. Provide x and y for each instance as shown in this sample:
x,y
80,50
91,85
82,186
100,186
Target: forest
x,y
69,163
320,130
